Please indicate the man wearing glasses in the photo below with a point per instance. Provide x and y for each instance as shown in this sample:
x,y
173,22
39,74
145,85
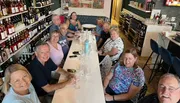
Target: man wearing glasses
x,y
168,90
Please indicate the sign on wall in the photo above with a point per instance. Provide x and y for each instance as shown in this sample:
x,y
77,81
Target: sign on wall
x,y
94,4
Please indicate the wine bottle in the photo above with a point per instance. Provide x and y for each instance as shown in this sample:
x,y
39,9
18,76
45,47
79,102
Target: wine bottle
x,y
4,8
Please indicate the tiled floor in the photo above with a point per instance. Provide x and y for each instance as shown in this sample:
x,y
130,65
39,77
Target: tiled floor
x,y
152,87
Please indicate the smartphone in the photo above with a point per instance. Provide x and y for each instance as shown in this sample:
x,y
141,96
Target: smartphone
x,y
71,70
72,56
76,52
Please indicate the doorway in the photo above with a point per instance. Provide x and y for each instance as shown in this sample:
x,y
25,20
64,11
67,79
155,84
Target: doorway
x,y
116,9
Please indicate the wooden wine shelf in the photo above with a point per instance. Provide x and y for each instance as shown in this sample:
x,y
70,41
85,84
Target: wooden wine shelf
x,y
26,44
146,11
41,18
11,15
43,6
25,27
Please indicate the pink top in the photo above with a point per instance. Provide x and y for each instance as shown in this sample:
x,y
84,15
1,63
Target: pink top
x,y
56,54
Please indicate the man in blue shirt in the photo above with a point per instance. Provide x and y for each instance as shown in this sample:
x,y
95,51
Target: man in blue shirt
x,y
99,28
56,23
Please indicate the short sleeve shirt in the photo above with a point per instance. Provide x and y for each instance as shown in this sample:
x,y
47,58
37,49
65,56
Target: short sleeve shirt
x,y
13,97
118,44
98,31
41,74
53,28
123,78
104,36
56,54
64,44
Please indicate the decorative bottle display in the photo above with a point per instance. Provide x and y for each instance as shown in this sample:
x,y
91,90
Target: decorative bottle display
x,y
11,42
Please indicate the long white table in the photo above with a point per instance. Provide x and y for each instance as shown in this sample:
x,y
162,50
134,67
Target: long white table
x,y
90,89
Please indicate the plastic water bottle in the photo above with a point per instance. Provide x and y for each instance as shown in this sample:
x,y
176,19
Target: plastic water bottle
x,y
86,46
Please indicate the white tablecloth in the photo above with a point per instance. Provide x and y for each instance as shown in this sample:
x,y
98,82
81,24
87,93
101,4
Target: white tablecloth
x,y
91,89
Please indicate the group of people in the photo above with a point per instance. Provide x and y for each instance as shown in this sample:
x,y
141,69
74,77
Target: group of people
x,y
37,83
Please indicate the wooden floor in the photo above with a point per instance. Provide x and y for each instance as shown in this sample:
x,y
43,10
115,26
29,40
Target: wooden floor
x,y
152,87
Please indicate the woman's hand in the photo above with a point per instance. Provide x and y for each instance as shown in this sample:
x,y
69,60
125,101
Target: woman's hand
x,y
108,97
100,52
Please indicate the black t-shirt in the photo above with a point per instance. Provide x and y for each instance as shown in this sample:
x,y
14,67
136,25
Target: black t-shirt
x,y
41,75
152,98
104,36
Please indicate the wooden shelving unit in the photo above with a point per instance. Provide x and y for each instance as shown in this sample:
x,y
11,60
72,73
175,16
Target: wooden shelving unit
x,y
146,11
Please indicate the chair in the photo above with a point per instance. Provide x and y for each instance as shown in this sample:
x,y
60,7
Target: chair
x,y
167,58
155,49
176,65
141,94
105,66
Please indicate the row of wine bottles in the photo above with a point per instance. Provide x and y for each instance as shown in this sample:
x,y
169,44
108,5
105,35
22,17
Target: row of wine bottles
x,y
11,7
6,28
40,3
34,14
18,40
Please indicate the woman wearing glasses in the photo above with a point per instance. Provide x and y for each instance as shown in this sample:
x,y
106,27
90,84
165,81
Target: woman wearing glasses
x,y
168,90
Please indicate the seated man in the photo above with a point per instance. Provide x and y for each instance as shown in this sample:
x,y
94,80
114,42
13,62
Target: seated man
x,y
99,28
56,23
40,69
168,90
105,34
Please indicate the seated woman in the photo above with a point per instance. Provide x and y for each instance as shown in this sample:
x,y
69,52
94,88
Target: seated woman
x,y
124,82
56,53
113,46
73,23
18,85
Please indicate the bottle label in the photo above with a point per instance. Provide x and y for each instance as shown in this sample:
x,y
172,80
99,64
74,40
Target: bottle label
x,y
4,11
5,33
25,8
10,30
2,35
16,9
13,30
21,9
15,47
13,10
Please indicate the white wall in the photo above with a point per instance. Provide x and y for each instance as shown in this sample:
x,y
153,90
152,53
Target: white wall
x,y
87,11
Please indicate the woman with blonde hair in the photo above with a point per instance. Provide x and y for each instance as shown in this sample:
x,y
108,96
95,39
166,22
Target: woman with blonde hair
x,y
113,46
17,85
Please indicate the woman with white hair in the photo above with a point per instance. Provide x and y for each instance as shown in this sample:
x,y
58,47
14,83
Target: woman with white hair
x,y
18,87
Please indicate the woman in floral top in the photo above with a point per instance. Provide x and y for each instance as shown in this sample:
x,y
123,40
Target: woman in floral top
x,y
113,46
124,82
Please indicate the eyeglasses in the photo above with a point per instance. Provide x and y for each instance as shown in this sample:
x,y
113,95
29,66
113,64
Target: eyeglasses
x,y
170,89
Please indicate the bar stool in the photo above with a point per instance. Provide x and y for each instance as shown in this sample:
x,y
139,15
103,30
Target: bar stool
x,y
176,65
155,49
167,58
